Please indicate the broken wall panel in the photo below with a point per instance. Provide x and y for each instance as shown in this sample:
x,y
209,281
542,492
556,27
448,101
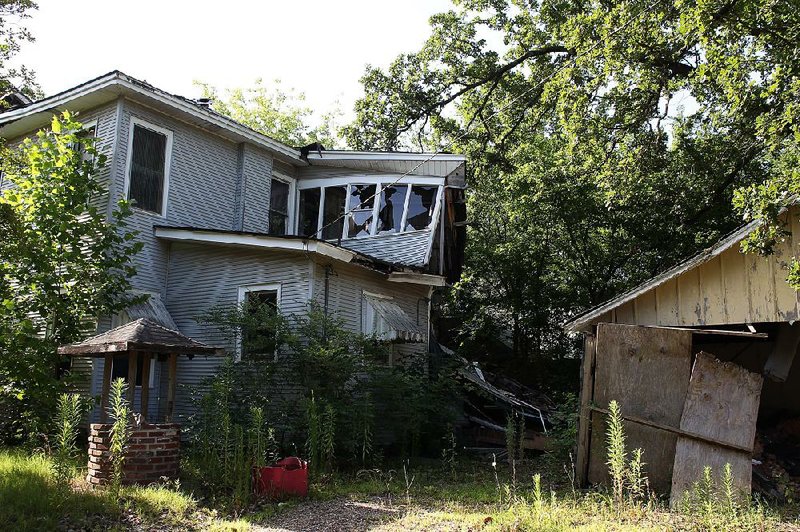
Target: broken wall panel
x,y
721,406
633,366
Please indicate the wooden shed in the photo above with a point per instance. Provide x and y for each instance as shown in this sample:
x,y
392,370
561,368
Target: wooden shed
x,y
698,358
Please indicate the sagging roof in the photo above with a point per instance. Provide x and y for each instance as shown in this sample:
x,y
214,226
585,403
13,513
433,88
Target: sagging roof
x,y
139,335
582,321
397,272
152,309
402,327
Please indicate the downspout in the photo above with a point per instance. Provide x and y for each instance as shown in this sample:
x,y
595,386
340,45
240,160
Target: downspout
x,y
328,271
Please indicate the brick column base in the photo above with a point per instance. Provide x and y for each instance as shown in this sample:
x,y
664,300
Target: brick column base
x,y
153,452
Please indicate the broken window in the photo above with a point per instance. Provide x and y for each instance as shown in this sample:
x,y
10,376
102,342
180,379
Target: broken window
x,y
259,337
362,199
278,207
332,213
148,169
390,215
420,207
309,212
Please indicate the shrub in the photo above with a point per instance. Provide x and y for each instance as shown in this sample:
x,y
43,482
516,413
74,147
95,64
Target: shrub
x,y
69,411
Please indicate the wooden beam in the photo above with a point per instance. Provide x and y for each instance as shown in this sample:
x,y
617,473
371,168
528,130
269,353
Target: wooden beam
x,y
133,367
107,363
585,412
679,432
783,353
171,384
145,397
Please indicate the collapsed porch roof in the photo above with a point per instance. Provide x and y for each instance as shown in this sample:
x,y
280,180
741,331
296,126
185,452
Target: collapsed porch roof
x,y
395,272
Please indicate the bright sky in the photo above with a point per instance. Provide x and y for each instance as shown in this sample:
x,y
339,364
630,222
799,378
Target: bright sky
x,y
318,47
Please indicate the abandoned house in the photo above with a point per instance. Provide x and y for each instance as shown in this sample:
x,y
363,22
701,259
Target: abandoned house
x,y
227,214
700,360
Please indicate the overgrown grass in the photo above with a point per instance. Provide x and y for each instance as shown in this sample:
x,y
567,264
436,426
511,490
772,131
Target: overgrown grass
x,y
31,499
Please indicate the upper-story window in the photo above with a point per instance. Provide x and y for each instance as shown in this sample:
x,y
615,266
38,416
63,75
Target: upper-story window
x,y
278,207
356,209
148,166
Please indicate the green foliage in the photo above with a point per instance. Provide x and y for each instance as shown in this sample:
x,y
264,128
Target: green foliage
x,y
69,411
628,481
13,34
278,113
605,143
63,263
328,393
120,413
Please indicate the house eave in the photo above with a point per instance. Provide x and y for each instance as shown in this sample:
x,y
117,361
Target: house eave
x,y
114,85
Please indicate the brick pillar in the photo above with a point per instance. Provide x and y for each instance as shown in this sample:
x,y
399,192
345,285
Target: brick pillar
x,y
153,452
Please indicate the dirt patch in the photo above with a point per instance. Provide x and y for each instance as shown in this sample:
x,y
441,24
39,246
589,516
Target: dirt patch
x,y
337,514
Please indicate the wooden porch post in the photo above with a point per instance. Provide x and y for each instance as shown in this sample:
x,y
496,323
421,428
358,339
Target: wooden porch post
x,y
173,367
145,397
107,362
133,367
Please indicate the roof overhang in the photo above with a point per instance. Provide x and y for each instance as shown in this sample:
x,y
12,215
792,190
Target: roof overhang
x,y
417,278
114,85
584,322
255,240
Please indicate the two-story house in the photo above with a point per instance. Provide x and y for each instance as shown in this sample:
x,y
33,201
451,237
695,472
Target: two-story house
x,y
226,214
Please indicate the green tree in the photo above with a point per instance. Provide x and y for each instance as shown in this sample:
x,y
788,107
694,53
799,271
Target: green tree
x,y
12,35
63,262
277,113
606,140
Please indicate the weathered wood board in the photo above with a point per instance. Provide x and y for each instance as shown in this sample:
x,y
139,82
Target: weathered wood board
x,y
721,404
646,370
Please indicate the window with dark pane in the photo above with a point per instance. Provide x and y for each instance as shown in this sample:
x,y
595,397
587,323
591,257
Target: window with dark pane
x,y
332,213
309,212
259,339
80,146
362,198
390,215
119,369
278,207
420,207
148,162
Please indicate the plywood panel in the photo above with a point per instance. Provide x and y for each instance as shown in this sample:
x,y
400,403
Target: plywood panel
x,y
632,365
646,310
667,303
737,301
712,299
760,283
721,404
690,311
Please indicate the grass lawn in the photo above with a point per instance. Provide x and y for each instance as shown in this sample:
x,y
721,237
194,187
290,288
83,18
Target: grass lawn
x,y
423,497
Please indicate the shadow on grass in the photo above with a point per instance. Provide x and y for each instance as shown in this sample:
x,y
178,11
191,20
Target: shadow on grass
x,y
31,500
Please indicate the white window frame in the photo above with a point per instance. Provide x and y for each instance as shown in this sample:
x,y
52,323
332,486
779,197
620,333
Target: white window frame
x,y
291,220
167,163
240,299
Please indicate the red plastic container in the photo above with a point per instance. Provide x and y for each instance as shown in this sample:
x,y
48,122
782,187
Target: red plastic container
x,y
288,477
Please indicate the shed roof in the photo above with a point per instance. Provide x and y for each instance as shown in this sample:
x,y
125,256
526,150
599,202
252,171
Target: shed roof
x,y
581,321
403,328
139,335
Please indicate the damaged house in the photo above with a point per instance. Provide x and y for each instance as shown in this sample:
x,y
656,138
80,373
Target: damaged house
x,y
701,362
228,215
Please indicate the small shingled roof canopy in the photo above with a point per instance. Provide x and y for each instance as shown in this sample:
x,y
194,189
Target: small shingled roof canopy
x,y
140,337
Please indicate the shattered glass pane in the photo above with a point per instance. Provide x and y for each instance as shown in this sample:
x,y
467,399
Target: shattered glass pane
x,y
362,199
390,215
420,207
